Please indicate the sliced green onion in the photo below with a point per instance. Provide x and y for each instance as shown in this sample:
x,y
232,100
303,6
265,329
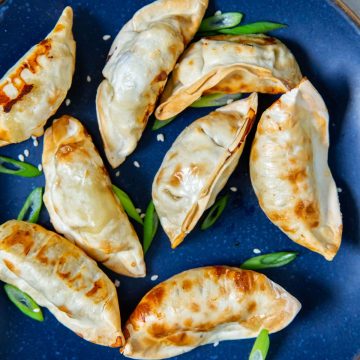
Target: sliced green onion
x,y
24,302
151,223
215,100
215,212
254,28
222,21
127,204
271,260
19,168
158,124
261,346
34,204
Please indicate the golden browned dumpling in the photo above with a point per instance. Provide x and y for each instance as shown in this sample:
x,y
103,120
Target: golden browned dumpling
x,y
198,165
80,200
61,277
230,65
290,173
140,60
203,306
34,88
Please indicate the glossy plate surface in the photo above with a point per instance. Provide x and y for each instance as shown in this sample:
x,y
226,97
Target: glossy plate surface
x,y
327,47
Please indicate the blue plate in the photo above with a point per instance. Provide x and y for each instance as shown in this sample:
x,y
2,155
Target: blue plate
x,y
327,46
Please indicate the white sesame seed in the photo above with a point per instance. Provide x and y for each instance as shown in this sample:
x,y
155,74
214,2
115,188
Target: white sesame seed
x,y
40,167
117,174
216,344
339,190
160,137
36,310
138,210
142,215
230,101
136,164
117,283
67,102
106,37
35,143
154,277
26,152
217,13
256,251
88,78
233,189
21,157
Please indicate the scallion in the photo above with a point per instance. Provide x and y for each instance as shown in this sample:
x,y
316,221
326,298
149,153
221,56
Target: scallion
x,y
254,28
215,212
158,124
151,223
221,21
261,346
215,100
19,168
271,260
33,204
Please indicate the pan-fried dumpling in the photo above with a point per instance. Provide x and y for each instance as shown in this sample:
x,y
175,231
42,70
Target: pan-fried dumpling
x,y
81,203
61,277
203,306
230,65
198,165
34,88
140,60
290,173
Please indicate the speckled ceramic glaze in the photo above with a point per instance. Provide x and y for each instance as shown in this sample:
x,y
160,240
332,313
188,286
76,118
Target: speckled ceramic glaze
x,y
327,47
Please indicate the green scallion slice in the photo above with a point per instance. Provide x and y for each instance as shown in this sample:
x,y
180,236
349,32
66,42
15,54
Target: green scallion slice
x,y
127,204
19,168
214,213
24,302
32,206
215,100
271,260
151,223
261,346
158,124
221,21
254,28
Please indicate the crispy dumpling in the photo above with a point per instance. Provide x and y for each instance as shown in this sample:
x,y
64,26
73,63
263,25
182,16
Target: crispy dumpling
x,y
203,306
60,276
230,65
290,173
140,60
198,165
34,88
81,202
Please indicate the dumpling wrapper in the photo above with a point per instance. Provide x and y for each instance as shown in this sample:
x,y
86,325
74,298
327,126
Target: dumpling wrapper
x,y
34,88
198,165
230,65
203,306
81,202
61,277
290,173
140,60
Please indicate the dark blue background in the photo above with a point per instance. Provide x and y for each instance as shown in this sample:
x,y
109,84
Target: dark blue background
x,y
327,46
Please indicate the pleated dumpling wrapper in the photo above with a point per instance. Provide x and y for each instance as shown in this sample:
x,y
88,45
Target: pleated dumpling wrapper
x,y
81,202
230,65
290,173
140,60
198,165
203,306
60,276
34,88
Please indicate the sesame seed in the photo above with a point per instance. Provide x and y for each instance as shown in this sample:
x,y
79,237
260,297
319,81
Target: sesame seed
x,y
33,137
230,101
233,189
35,143
67,102
154,277
136,164
339,190
138,210
88,78
40,167
117,174
218,13
106,37
216,344
21,157
160,137
36,310
256,251
26,152
142,215
117,283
